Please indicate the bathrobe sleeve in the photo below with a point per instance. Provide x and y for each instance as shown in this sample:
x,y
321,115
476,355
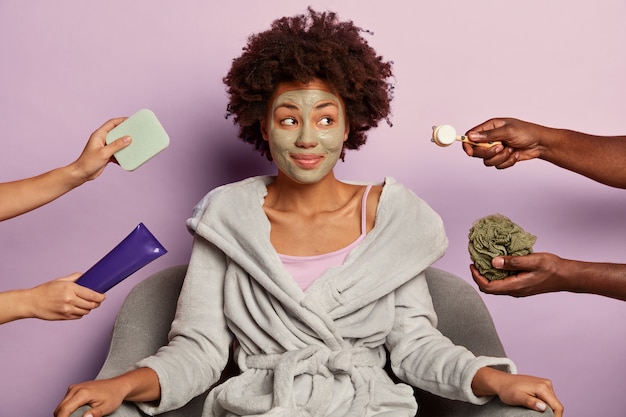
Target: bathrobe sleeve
x,y
199,339
423,357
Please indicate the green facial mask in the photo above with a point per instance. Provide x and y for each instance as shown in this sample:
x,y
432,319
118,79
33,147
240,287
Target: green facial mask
x,y
306,133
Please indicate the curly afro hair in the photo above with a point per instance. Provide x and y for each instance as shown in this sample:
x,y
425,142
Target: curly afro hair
x,y
301,48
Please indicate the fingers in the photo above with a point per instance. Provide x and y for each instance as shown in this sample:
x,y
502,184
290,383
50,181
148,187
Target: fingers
x,y
100,134
517,263
75,398
481,281
490,131
69,404
88,294
98,137
97,154
110,124
117,145
496,287
71,278
488,125
483,152
500,156
532,392
514,285
63,300
545,395
103,396
83,293
85,300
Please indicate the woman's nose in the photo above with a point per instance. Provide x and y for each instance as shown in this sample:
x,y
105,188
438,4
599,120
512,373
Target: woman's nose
x,y
306,138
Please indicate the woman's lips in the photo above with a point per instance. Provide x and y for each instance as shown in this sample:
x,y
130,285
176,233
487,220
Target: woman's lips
x,y
307,161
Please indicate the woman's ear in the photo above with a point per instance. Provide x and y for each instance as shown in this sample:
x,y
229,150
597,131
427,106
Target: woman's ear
x,y
263,124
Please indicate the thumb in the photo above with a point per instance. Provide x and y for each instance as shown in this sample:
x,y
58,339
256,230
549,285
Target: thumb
x,y
119,143
507,263
481,136
516,262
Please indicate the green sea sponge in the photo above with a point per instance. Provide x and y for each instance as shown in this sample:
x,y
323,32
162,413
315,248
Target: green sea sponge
x,y
496,235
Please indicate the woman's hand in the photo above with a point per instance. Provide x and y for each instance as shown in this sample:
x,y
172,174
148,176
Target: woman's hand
x,y
103,396
520,390
106,395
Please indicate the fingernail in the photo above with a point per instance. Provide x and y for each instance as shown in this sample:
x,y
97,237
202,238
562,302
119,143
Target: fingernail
x,y
541,407
126,139
497,262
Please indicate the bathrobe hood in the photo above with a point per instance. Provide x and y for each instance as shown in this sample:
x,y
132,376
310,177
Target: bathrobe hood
x,y
406,228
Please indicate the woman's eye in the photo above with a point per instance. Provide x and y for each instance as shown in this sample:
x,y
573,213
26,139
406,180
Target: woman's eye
x,y
326,121
289,121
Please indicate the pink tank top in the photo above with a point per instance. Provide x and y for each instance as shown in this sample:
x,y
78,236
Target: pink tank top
x,y
306,269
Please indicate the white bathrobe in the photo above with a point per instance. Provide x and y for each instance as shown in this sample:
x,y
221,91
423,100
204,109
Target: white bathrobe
x,y
318,352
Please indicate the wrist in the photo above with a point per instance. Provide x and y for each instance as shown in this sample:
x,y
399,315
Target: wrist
x,y
487,382
73,175
569,275
547,139
125,386
139,385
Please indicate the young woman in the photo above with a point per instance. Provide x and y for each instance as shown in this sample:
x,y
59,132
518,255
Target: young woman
x,y
312,278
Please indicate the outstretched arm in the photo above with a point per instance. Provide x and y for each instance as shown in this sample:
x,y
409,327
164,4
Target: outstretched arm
x,y
540,273
61,299
600,158
21,196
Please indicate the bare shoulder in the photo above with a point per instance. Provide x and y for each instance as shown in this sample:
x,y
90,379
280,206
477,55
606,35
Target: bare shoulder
x,y
372,205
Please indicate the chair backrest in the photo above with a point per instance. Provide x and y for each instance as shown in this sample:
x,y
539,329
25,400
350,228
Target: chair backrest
x,y
463,316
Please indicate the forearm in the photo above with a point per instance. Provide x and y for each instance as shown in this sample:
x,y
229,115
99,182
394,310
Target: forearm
x,y
607,279
14,305
18,197
600,158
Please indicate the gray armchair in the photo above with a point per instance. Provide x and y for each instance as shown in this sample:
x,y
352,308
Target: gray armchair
x,y
144,321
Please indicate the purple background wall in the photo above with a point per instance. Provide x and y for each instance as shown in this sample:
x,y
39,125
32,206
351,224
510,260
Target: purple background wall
x,y
67,66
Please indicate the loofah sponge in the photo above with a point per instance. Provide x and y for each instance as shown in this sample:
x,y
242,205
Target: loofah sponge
x,y
496,235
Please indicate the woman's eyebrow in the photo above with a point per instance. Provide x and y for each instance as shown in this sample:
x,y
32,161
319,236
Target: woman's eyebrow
x,y
325,104
287,105
291,106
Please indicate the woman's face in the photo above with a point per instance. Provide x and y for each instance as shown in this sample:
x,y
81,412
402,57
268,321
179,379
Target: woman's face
x,y
305,128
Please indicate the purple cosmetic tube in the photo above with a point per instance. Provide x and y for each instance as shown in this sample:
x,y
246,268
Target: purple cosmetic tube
x,y
137,250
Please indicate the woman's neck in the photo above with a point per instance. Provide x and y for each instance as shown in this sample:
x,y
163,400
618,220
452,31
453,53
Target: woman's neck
x,y
329,194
